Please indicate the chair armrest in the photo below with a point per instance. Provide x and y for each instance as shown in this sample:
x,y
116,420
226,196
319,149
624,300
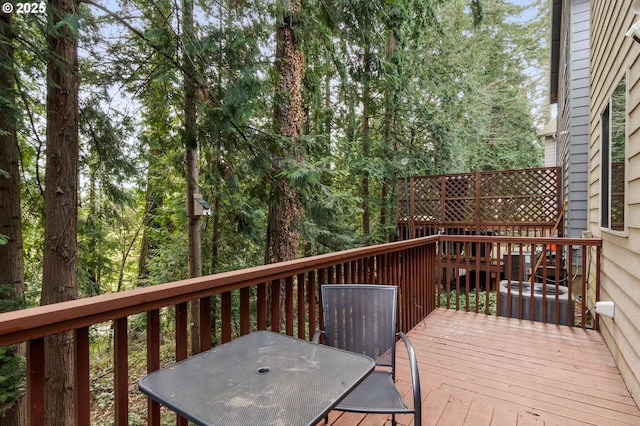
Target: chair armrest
x,y
415,375
316,336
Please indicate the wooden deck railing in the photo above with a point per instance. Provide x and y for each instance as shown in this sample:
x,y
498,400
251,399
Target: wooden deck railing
x,y
408,264
423,268
543,279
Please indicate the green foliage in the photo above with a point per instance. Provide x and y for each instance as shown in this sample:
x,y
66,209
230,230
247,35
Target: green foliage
x,y
444,84
470,305
102,385
8,300
12,377
12,364
477,11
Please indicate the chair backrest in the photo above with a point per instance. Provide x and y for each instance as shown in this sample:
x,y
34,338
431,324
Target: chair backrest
x,y
361,318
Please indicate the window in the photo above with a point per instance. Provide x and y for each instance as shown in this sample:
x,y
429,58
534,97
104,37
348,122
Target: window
x,y
613,140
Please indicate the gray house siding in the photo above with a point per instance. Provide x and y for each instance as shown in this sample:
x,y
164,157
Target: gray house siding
x,y
573,113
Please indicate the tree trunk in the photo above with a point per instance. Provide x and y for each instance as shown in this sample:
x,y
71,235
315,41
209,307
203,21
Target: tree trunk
x,y
158,119
288,117
153,203
143,268
391,97
11,254
60,270
366,113
284,209
191,145
91,285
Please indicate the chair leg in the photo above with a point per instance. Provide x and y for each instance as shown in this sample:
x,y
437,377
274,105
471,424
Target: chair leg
x,y
393,420
326,419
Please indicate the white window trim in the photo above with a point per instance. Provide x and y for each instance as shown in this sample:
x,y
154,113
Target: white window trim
x,y
625,231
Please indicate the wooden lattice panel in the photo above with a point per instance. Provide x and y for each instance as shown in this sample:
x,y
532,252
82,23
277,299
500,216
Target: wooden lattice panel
x,y
511,198
403,200
460,194
429,187
518,196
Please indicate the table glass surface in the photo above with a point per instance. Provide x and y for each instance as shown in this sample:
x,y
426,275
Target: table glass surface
x,y
262,378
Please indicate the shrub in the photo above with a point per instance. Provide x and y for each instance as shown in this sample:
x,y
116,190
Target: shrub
x,y
481,297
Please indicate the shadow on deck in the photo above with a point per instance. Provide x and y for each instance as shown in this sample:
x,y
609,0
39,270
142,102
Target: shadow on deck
x,y
480,370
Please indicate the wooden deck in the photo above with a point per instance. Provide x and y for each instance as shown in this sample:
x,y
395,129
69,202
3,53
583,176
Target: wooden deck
x,y
484,370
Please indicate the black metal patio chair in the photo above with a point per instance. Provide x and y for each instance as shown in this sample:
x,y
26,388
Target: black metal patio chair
x,y
362,318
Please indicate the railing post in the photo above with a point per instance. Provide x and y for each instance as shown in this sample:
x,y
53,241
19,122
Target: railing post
x,y
559,191
412,205
478,215
443,200
597,319
571,311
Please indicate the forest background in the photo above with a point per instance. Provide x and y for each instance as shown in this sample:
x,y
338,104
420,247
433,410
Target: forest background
x,y
291,119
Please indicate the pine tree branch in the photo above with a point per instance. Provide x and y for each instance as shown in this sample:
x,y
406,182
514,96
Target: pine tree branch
x,y
36,135
194,77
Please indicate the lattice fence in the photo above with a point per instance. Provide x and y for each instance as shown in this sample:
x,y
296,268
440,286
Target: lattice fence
x,y
512,202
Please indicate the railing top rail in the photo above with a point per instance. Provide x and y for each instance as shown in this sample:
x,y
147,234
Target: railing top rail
x,y
595,242
25,324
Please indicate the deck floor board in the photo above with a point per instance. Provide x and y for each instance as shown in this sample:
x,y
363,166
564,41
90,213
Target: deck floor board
x,y
485,370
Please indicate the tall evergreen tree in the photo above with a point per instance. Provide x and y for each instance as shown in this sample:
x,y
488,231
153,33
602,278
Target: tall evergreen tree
x,y
288,118
60,272
12,409
156,85
192,163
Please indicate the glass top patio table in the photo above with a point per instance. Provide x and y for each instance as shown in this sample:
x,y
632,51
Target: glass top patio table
x,y
262,378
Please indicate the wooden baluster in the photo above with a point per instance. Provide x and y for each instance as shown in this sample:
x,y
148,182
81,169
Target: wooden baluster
x,y
261,306
311,301
288,305
245,311
275,306
226,320
181,343
301,306
35,381
205,323
153,362
121,372
83,402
